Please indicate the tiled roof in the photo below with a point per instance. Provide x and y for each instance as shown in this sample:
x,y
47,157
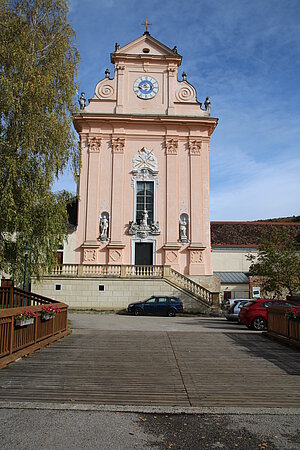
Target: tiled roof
x,y
248,234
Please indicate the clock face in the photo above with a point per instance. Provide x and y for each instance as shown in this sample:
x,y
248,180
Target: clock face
x,y
145,87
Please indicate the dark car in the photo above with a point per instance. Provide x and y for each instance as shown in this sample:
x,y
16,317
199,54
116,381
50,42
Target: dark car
x,y
254,313
157,305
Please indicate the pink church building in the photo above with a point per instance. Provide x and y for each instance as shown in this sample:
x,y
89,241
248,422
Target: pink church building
x,y
144,183
144,208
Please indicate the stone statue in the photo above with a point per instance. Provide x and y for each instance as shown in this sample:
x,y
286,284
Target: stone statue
x,y
117,46
183,224
182,228
82,100
174,50
145,218
207,105
104,228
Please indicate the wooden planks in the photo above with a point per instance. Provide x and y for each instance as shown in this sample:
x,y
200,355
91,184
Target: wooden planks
x,y
158,368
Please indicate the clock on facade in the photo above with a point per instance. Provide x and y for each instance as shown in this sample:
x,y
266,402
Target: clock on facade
x,y
145,87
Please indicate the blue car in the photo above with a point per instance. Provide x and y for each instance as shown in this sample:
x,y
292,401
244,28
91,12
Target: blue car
x,y
157,305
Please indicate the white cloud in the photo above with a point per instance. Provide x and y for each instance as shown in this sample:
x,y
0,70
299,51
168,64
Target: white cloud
x,y
261,192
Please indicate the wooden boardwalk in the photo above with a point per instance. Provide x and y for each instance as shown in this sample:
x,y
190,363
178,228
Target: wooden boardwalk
x,y
158,368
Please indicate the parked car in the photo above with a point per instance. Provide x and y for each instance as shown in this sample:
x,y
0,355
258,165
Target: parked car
x,y
254,313
228,303
157,305
233,312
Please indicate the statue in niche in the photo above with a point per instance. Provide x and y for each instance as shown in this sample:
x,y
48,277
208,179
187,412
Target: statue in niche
x,y
144,218
183,227
103,226
207,105
82,100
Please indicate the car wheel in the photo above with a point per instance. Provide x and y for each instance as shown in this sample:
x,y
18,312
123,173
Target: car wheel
x,y
259,324
171,313
138,312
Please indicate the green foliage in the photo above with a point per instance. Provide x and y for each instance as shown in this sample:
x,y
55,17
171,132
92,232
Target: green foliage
x,y
38,63
278,262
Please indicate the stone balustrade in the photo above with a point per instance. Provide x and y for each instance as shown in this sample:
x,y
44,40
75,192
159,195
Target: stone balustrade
x,y
131,271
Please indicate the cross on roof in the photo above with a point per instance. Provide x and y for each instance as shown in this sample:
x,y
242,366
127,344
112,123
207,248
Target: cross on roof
x,y
147,24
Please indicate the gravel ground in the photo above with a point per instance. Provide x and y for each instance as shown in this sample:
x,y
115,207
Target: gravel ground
x,y
68,429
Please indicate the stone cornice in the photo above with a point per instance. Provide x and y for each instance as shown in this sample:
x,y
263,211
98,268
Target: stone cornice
x,y
116,58
94,118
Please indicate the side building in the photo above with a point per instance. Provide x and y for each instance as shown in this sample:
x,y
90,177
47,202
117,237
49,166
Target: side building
x,y
232,242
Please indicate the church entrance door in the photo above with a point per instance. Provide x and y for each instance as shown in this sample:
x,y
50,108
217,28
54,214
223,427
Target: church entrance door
x,y
144,254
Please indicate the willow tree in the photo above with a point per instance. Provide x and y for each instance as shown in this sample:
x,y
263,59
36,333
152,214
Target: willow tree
x,y
38,63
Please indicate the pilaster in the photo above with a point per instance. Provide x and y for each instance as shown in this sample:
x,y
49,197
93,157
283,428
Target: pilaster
x,y
171,148
120,69
172,78
117,200
91,244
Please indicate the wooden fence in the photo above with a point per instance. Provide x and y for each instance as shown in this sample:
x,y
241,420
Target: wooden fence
x,y
279,323
16,341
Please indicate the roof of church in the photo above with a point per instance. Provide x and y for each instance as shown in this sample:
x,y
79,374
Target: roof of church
x,y
146,46
248,234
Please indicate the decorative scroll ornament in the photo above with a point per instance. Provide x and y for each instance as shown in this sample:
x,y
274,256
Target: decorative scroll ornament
x,y
186,93
105,91
144,159
171,146
94,144
118,145
143,230
195,147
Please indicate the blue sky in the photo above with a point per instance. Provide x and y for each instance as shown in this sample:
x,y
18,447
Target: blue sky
x,y
246,56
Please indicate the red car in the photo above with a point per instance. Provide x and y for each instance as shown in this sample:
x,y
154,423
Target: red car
x,y
254,313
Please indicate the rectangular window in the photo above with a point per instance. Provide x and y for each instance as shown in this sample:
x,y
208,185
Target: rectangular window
x,y
101,287
58,287
144,200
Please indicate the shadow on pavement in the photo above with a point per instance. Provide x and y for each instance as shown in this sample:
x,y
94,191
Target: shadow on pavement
x,y
283,357
218,324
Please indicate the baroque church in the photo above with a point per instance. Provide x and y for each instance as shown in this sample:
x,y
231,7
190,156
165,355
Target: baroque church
x,y
144,206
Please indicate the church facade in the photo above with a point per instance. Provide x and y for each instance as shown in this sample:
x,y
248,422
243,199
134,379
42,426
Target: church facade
x,y
143,223
144,182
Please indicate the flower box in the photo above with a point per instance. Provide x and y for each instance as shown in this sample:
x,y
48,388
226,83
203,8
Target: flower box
x,y
49,312
47,317
23,322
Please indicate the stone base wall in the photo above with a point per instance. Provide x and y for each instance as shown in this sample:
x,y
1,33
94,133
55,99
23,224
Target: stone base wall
x,y
115,294
210,282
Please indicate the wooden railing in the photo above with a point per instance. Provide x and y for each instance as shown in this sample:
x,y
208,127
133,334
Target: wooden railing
x,y
280,323
173,277
15,341
12,297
